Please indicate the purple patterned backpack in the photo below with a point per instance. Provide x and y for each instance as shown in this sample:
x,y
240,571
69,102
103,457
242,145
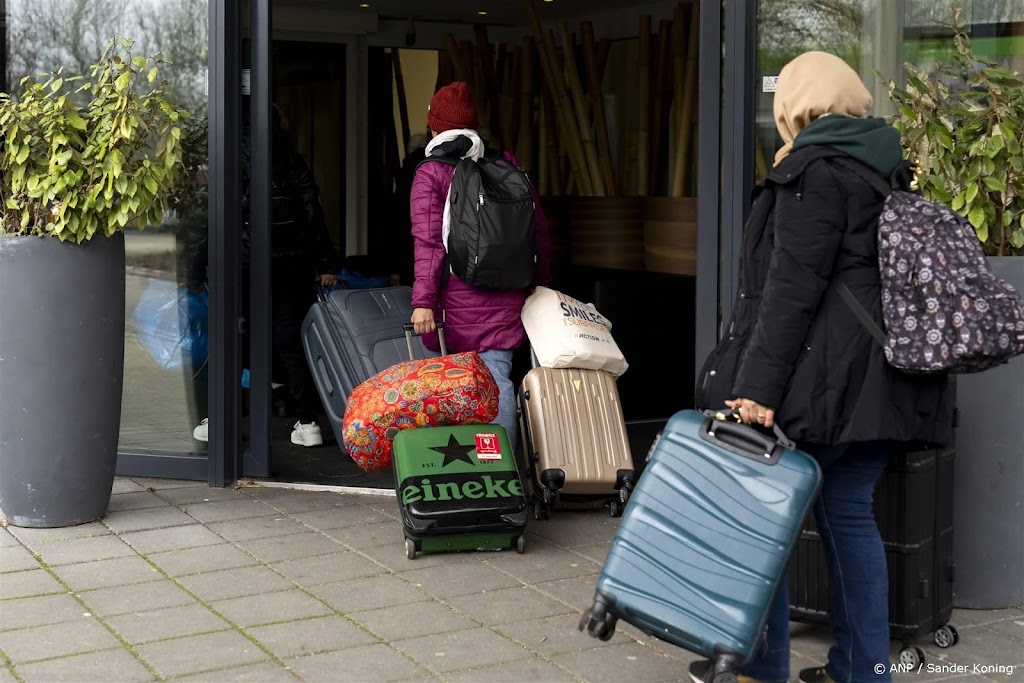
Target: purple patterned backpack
x,y
944,309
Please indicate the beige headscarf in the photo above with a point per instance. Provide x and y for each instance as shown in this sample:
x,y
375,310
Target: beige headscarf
x,y
812,85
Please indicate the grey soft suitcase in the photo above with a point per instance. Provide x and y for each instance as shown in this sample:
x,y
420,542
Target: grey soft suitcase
x,y
705,539
349,335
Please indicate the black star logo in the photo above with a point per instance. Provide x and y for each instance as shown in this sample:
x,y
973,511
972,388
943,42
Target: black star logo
x,y
454,451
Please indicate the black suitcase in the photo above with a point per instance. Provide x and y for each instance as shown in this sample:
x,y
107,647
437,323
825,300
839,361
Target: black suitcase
x,y
914,509
349,335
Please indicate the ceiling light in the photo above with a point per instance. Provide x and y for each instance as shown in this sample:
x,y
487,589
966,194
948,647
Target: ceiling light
x,y
482,13
549,0
364,5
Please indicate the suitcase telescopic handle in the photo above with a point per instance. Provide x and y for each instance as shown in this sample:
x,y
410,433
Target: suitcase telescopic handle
x,y
730,423
410,331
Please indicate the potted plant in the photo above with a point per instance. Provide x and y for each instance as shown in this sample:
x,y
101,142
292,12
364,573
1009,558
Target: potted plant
x,y
82,158
963,125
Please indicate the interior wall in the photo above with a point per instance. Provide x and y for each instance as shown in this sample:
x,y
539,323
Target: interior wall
x,y
419,73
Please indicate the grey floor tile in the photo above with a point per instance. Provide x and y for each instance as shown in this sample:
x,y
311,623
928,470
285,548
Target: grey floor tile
x,y
34,537
337,517
174,538
82,550
126,485
577,593
508,605
366,537
257,527
205,559
519,671
15,558
462,649
1008,627
31,582
369,593
313,571
172,622
198,494
267,672
162,484
49,609
625,662
97,667
377,663
984,645
393,555
968,617
56,640
236,507
542,561
410,621
120,600
148,518
470,578
7,676
201,653
572,529
557,635
235,583
268,608
136,500
292,546
121,571
311,636
7,539
292,501
595,552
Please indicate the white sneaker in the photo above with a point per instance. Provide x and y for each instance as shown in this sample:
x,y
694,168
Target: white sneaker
x,y
307,435
202,432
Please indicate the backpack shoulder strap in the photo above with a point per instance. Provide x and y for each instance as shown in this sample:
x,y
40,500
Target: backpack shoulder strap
x,y
868,175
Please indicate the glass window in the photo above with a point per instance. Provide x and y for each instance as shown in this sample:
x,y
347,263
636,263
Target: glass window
x,y
165,385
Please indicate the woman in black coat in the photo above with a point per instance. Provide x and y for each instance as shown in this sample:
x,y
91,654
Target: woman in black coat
x,y
795,353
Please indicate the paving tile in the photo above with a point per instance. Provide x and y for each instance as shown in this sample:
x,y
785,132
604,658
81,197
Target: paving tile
x,y
313,571
393,556
236,507
15,558
508,605
293,500
198,560
235,583
378,663
572,529
148,518
35,537
413,620
519,671
365,537
83,550
462,649
577,593
1008,627
557,635
201,653
56,640
174,538
126,485
98,667
596,552
7,539
337,517
290,547
624,662
369,593
198,494
6,676
31,582
122,571
274,524
310,636
470,578
48,609
966,617
137,500
153,595
172,622
267,672
269,608
163,484
984,645
542,561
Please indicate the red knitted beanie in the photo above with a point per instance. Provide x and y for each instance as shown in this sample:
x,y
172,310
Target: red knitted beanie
x,y
452,107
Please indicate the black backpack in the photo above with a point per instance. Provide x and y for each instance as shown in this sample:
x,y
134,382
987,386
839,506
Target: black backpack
x,y
492,223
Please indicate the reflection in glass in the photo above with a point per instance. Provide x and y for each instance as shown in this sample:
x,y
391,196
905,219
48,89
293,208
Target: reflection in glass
x,y
165,347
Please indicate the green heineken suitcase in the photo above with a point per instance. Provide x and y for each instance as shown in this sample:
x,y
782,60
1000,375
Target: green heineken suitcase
x,y
459,488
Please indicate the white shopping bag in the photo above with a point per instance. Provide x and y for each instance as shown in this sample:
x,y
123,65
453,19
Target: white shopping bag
x,y
567,333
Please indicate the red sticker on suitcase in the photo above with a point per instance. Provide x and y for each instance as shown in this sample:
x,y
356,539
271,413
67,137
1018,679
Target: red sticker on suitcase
x,y
488,447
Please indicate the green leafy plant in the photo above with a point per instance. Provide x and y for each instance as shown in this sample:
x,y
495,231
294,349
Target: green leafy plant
x,y
963,126
86,156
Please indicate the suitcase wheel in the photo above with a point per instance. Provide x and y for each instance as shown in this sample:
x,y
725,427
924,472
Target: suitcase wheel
x,y
541,511
911,657
615,508
598,623
946,636
521,545
410,548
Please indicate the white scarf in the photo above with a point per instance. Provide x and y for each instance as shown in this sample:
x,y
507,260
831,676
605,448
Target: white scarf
x,y
476,151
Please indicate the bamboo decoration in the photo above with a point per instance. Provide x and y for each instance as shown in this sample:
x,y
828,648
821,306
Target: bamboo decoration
x,y
643,134
487,82
526,143
604,48
514,101
553,163
585,128
454,52
688,105
544,184
594,77
679,32
403,105
662,104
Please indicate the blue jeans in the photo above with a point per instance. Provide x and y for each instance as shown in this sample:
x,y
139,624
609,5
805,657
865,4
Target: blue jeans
x,y
857,572
500,365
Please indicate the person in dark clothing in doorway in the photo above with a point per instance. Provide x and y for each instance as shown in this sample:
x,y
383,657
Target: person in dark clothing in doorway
x,y
795,354
301,255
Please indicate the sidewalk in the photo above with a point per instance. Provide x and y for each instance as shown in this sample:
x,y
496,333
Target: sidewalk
x,y
270,584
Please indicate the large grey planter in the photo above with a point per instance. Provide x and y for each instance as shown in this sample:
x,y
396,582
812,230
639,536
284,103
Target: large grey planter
x,y
988,505
61,371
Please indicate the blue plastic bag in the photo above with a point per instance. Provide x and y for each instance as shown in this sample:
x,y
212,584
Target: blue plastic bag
x,y
172,325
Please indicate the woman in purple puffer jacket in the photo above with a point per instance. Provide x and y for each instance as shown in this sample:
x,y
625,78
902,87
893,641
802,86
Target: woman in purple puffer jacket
x,y
485,321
